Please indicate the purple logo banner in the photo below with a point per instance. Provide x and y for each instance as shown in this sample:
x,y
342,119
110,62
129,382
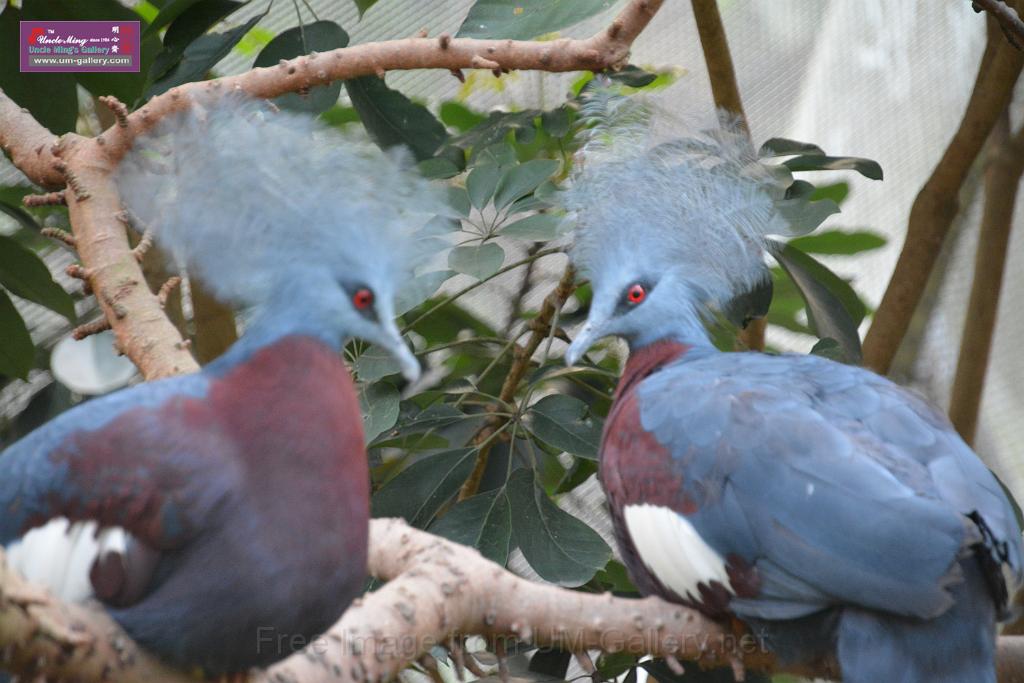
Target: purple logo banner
x,y
76,46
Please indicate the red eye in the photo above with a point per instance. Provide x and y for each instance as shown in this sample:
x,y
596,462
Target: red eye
x,y
636,294
362,299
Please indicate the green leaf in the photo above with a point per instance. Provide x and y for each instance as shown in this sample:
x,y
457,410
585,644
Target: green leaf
x,y
839,242
147,10
800,189
421,288
439,226
190,24
201,56
319,36
393,119
363,5
786,303
51,98
479,261
412,442
340,116
828,348
542,198
559,547
583,82
22,272
866,167
525,19
374,363
803,216
523,179
458,199
447,322
494,128
483,522
528,204
633,76
611,665
540,227
616,578
481,183
556,122
566,423
837,192
416,428
23,217
418,492
168,13
501,153
783,147
432,417
750,305
833,308
438,168
16,349
378,403
459,116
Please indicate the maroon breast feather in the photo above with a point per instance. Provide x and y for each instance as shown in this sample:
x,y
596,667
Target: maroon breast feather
x,y
636,469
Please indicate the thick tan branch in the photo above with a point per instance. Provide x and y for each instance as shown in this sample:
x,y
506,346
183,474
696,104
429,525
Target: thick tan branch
x,y
439,589
143,331
1002,178
40,636
608,49
936,205
28,144
436,590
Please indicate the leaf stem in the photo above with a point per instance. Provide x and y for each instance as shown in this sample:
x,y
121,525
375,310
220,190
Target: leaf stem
x,y
469,288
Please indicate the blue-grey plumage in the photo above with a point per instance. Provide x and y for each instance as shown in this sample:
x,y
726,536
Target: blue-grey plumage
x,y
798,494
32,474
844,481
244,487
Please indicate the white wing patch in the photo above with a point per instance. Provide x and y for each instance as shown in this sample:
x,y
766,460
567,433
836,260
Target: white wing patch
x,y
59,555
672,550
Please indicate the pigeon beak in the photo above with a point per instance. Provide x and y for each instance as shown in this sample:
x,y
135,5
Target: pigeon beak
x,y
396,346
587,337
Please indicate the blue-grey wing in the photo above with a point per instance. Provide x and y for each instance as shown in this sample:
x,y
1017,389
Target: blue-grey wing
x,y
839,486
126,459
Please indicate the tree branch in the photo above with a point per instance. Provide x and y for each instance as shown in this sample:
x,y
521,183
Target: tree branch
x,y
40,636
1002,178
726,93
718,60
540,329
143,332
437,590
215,327
607,49
28,144
1009,20
937,205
